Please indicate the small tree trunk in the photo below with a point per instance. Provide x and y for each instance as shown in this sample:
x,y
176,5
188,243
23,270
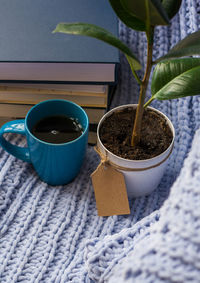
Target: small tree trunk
x,y
136,134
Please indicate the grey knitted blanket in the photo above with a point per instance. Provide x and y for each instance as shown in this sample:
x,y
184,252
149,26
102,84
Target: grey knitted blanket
x,y
53,234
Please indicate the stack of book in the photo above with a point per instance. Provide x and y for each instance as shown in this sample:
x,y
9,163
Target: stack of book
x,y
17,99
36,64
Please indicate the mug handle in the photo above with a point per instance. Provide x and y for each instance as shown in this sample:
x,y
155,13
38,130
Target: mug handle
x,y
17,127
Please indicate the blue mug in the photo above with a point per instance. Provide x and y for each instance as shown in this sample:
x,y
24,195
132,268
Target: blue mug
x,y
56,164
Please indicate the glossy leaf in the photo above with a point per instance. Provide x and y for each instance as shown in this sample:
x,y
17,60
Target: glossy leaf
x,y
171,7
176,78
99,33
137,8
127,18
166,71
188,46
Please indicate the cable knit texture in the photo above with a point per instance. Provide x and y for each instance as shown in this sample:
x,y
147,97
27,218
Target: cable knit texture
x,y
53,234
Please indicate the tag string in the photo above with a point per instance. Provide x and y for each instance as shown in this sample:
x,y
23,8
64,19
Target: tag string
x,y
105,160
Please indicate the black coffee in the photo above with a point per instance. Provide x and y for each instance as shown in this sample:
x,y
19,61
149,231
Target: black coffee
x,y
57,129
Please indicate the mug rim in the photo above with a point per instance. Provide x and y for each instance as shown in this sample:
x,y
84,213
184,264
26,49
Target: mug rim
x,y
57,100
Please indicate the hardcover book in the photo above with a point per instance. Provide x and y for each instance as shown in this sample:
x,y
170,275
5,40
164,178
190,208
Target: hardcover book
x,y
86,97
29,50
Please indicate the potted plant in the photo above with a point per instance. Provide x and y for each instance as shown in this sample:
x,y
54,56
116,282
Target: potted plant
x,y
175,75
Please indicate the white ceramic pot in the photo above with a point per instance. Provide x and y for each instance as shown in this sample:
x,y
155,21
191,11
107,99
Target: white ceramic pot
x,y
141,176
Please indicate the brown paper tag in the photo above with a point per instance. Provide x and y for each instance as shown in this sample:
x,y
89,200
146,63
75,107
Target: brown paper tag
x,y
110,191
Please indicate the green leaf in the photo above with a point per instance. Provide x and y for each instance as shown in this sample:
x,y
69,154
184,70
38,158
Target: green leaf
x,y
171,7
176,78
99,33
188,46
128,19
137,8
166,71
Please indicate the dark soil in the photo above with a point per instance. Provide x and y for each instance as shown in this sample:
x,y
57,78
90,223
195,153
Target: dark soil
x,y
115,133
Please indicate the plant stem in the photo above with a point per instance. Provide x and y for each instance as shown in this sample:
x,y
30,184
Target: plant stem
x,y
148,102
135,139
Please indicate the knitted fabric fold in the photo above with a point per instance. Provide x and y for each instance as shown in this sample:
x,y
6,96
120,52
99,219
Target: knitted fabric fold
x,y
163,247
53,234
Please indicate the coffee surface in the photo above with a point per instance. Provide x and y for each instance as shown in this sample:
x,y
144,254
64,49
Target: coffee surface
x,y
57,129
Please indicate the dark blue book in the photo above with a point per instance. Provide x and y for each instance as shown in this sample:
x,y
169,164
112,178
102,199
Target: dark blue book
x,y
29,51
